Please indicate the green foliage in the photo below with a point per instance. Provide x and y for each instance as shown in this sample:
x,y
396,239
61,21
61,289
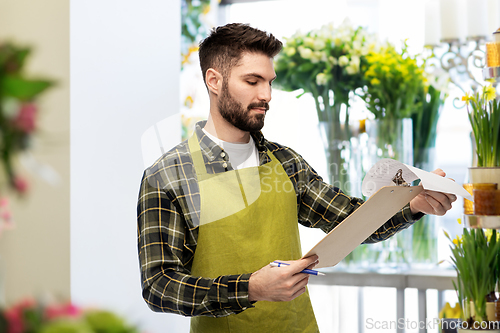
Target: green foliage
x,y
425,122
17,106
394,81
475,258
193,29
484,116
107,322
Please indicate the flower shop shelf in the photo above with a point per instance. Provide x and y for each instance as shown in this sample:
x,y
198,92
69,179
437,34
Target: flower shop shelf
x,y
482,221
491,73
440,279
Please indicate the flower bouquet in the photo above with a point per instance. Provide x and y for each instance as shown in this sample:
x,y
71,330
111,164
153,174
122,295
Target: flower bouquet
x,y
395,83
328,64
395,80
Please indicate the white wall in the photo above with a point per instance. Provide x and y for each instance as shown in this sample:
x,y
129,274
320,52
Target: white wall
x,y
125,63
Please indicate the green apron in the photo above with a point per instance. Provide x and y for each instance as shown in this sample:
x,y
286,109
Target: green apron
x,y
248,218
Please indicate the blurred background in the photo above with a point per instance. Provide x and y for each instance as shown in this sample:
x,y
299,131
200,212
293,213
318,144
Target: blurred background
x,y
115,69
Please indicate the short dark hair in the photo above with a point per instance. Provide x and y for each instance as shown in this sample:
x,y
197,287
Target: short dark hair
x,y
223,48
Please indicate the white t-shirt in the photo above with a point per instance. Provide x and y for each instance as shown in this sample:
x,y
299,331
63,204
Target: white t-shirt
x,y
241,155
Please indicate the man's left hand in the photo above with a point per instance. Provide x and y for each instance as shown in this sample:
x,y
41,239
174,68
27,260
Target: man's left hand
x,y
432,202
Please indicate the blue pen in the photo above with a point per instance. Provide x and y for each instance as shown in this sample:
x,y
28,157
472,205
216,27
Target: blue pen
x,y
307,271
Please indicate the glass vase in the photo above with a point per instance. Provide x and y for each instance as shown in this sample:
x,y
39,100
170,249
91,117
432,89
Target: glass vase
x,y
340,150
391,138
425,231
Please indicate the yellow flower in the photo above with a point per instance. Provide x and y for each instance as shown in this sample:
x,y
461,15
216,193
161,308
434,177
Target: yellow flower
x,y
191,50
206,9
459,221
489,93
375,81
467,98
370,72
489,233
188,102
457,241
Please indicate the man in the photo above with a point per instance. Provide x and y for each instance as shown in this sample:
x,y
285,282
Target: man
x,y
214,211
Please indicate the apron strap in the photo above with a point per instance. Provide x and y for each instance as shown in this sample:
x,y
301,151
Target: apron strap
x,y
196,155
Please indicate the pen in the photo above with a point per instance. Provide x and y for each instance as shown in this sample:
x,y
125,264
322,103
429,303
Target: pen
x,y
307,271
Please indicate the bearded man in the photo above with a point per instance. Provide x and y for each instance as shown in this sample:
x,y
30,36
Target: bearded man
x,y
215,210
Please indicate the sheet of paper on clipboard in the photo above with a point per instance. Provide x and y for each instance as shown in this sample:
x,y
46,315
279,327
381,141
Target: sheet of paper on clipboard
x,y
388,186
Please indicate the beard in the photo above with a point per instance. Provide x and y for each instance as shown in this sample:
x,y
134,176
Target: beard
x,y
235,114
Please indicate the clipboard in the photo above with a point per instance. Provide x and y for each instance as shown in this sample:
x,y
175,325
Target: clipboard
x,y
363,222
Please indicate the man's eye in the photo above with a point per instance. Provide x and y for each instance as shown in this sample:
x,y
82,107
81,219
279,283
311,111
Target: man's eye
x,y
252,83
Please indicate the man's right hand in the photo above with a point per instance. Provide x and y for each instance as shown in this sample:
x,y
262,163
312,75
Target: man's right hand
x,y
278,284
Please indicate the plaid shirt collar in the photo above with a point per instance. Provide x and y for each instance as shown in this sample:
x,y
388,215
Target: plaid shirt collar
x,y
212,151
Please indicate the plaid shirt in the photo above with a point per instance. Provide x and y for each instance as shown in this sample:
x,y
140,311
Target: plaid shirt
x,y
168,213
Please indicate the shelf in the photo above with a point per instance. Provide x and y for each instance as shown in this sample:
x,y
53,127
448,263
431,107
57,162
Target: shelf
x,y
482,221
491,73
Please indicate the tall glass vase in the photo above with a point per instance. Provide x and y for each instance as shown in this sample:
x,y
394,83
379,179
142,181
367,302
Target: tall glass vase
x,y
391,138
333,117
425,231
342,150
337,153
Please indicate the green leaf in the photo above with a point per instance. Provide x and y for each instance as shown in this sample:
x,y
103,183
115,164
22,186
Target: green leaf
x,y
23,89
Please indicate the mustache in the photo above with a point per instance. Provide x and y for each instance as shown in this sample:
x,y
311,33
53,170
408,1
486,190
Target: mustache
x,y
259,105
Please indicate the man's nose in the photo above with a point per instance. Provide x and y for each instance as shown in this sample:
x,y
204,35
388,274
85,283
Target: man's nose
x,y
265,93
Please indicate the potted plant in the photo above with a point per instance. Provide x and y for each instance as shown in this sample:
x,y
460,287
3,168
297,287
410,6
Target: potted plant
x,y
484,116
476,259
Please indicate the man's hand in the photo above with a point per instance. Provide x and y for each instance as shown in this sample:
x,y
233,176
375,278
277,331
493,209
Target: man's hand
x,y
432,202
277,284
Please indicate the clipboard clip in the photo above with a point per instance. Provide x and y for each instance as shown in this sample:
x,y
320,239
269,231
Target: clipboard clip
x,y
399,180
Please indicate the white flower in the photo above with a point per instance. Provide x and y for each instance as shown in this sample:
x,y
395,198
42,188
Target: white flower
x,y
355,61
316,57
356,45
309,42
352,69
343,61
334,61
305,52
321,79
319,44
438,78
290,51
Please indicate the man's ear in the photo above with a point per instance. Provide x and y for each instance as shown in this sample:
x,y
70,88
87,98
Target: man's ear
x,y
214,81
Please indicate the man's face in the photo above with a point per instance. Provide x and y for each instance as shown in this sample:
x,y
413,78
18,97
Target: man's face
x,y
245,95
